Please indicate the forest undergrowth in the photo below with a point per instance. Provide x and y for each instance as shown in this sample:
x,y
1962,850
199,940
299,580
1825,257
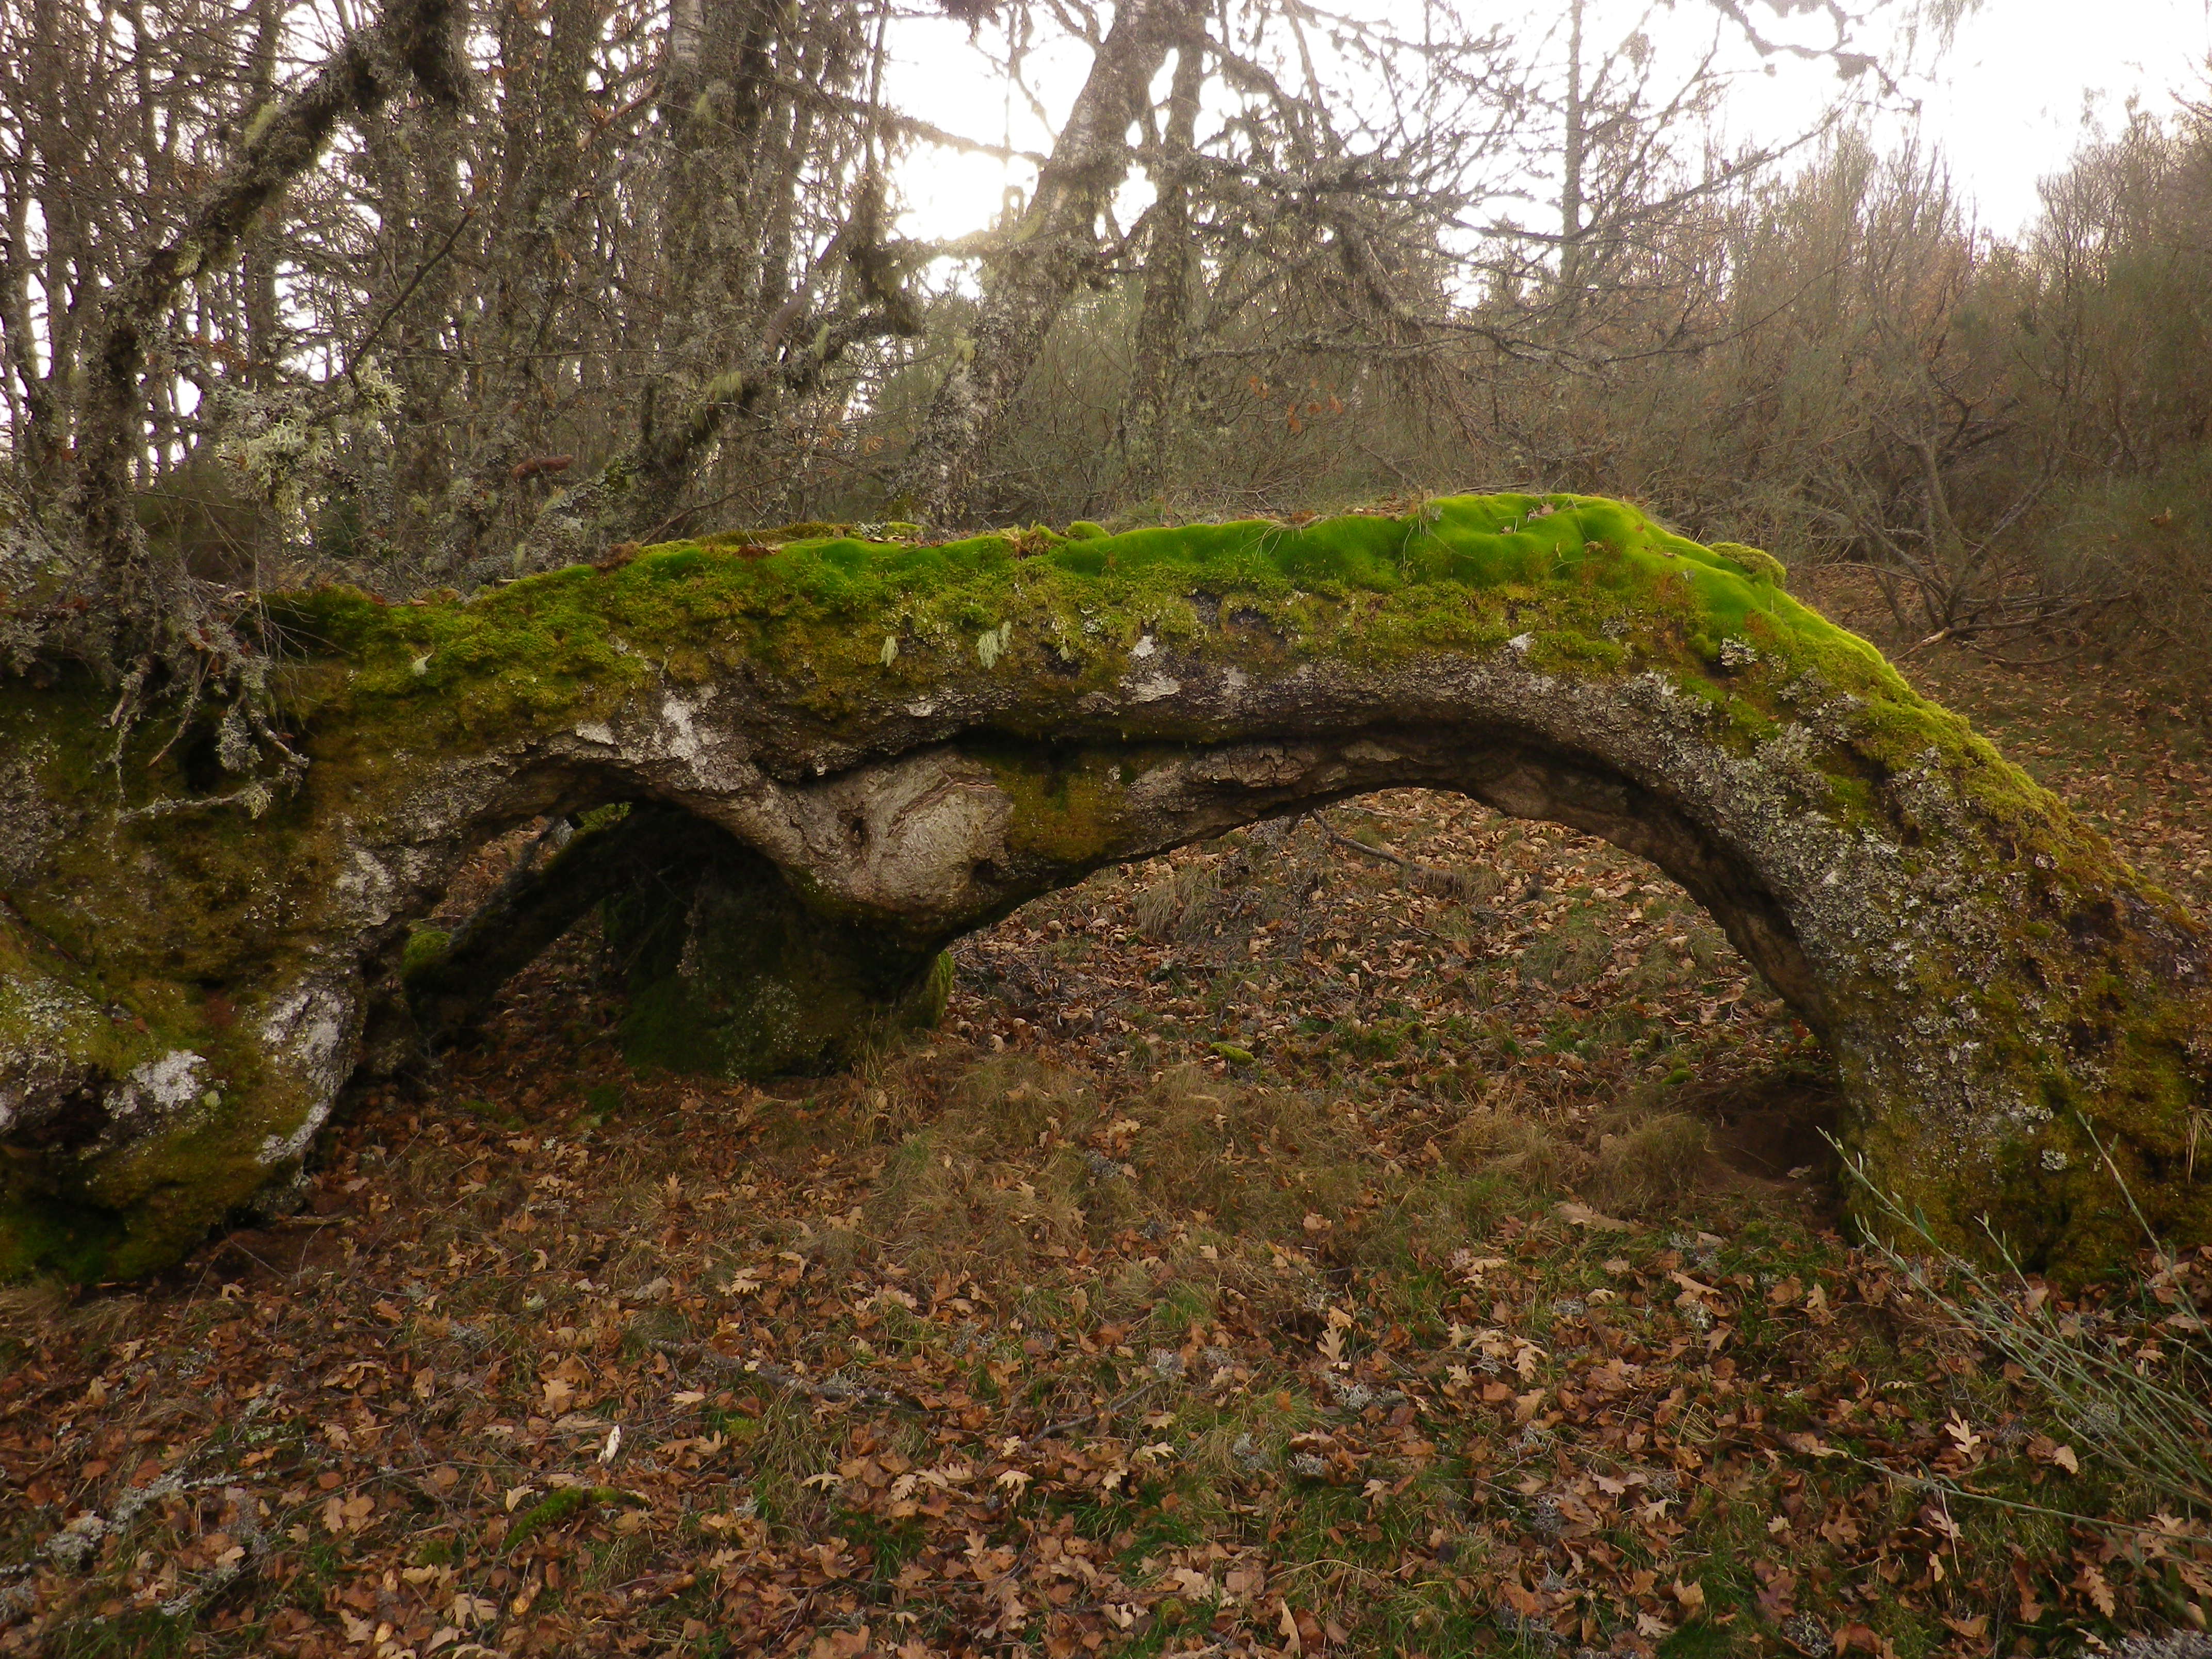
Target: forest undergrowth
x,y
1280,1249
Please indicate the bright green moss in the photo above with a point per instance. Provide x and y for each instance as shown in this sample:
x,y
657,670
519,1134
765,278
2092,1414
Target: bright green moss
x,y
555,1511
1756,563
1562,652
426,949
1441,577
1598,589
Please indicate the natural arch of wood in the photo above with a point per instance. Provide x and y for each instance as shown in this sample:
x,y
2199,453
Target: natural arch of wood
x,y
651,859
838,756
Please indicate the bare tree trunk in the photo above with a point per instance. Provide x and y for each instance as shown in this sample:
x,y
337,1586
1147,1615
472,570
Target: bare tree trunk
x,y
1572,158
1163,320
638,494
416,168
1045,257
47,65
413,43
722,55
756,310
531,223
263,331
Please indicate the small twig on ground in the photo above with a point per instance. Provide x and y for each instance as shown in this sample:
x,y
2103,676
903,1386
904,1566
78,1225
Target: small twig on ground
x,y
1107,1412
1421,877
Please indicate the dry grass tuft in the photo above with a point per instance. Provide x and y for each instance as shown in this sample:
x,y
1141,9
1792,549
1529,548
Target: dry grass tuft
x,y
1018,1102
1177,905
37,1313
1575,952
1254,1158
27,1308
1464,885
1649,1164
1479,1140
1002,1176
1492,1141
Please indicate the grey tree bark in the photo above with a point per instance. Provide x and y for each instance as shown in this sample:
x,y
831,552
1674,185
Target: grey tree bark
x,y
1043,258
1171,259
147,595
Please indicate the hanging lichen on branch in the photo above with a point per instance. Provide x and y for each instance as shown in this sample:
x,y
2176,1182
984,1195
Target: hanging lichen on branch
x,y
83,582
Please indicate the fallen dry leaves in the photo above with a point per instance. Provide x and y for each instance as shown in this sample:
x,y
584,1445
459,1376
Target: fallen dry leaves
x,y
1246,1269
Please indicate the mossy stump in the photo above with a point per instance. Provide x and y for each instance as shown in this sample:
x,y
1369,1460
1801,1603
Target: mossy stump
x,y
730,974
871,749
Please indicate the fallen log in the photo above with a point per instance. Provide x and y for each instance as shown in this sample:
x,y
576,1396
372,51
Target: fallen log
x,y
806,762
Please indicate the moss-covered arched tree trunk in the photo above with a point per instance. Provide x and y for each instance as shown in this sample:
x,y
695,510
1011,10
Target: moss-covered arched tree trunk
x,y
895,744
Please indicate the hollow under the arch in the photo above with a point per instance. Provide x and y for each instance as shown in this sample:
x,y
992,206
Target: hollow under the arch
x,y
726,969
1550,970
734,968
1554,980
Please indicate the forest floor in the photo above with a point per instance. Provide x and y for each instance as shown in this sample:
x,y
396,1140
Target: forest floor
x,y
1270,1254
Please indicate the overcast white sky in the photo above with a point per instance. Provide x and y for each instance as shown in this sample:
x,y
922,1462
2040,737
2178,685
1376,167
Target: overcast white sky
x,y
2007,103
